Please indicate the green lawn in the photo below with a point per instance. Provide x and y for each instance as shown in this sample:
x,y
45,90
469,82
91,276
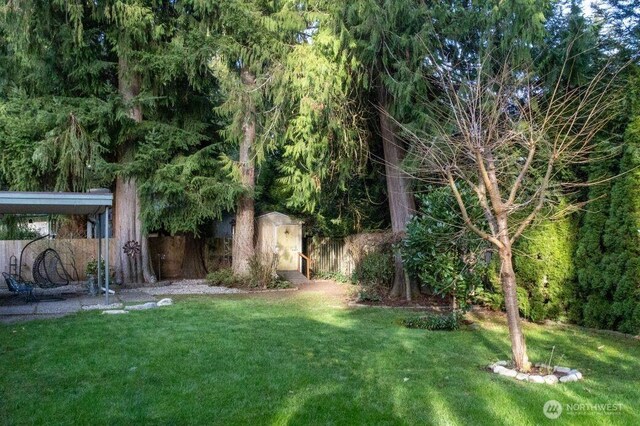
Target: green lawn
x,y
298,359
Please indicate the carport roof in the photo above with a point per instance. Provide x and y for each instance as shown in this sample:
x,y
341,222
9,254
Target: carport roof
x,y
80,203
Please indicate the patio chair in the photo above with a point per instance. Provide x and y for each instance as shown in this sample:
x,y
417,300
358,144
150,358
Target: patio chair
x,y
19,287
48,270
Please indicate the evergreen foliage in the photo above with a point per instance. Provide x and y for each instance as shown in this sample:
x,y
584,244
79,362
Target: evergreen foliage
x,y
439,253
544,268
620,287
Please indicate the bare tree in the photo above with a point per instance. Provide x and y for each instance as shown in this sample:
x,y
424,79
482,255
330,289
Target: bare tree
x,y
505,138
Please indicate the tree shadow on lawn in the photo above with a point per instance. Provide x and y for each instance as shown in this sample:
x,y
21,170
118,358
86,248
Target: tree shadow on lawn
x,y
372,370
271,361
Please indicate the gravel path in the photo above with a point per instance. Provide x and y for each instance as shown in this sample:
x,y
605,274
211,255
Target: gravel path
x,y
185,287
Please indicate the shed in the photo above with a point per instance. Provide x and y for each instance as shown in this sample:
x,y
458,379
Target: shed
x,y
278,233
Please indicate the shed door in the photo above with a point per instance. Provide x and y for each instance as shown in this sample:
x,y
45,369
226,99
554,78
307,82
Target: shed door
x,y
288,247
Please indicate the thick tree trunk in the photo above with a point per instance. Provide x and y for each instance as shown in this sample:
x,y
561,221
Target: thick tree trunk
x,y
243,247
401,202
127,225
508,279
193,259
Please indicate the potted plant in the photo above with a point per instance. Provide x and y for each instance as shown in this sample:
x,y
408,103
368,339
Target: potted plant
x,y
91,270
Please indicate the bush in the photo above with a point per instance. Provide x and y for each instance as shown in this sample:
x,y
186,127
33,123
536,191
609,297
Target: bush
x,y
368,295
374,270
437,254
450,321
262,274
544,269
224,278
93,266
334,276
262,270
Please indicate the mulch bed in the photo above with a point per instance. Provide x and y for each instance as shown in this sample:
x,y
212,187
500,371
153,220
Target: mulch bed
x,y
420,302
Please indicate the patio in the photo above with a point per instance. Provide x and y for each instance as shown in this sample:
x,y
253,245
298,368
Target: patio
x,y
72,298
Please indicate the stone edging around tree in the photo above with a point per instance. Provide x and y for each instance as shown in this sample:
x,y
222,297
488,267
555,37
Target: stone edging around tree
x,y
560,374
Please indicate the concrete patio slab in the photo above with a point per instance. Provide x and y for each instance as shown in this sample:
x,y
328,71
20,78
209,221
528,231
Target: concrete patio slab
x,y
135,297
58,307
27,309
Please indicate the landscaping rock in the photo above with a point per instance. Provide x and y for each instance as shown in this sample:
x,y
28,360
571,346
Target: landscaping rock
x,y
550,379
502,363
115,312
102,307
144,306
165,302
522,376
534,378
563,370
508,372
569,378
498,368
577,373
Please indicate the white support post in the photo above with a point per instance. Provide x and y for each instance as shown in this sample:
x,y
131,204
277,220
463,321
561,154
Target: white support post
x,y
99,232
106,257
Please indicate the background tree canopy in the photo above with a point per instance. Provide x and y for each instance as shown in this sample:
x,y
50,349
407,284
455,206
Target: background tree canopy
x,y
154,94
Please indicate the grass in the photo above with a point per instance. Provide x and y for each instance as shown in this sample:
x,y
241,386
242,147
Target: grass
x,y
295,359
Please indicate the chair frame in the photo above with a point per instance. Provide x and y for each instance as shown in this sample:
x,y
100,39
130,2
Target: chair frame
x,y
19,287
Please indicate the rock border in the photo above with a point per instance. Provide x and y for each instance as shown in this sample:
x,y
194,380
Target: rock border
x,y
141,307
560,374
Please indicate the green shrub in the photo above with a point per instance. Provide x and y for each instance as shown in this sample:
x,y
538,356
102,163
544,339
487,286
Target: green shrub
x,y
437,254
224,278
450,321
262,270
334,276
368,295
544,269
375,270
492,299
93,266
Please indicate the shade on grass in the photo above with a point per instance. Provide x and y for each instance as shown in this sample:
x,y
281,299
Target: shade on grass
x,y
295,360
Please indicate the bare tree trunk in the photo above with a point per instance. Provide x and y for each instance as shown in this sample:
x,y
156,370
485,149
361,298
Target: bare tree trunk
x,y
243,247
124,229
401,202
193,259
508,279
127,225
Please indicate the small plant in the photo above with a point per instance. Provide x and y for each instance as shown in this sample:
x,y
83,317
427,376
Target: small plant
x,y
374,270
262,270
224,278
334,276
368,295
92,266
450,321
279,283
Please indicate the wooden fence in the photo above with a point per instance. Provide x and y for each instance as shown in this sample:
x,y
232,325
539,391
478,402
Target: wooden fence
x,y
74,253
330,255
167,254
341,255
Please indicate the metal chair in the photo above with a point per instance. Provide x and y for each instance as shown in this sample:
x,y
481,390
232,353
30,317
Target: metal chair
x,y
19,287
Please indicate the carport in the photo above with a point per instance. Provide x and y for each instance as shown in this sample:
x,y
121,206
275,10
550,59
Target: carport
x,y
96,203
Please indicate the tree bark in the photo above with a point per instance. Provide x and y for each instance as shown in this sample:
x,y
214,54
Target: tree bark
x,y
508,279
401,202
193,260
127,225
243,247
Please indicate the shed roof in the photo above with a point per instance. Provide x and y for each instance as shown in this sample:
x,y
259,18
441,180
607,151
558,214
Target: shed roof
x,y
280,218
80,203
